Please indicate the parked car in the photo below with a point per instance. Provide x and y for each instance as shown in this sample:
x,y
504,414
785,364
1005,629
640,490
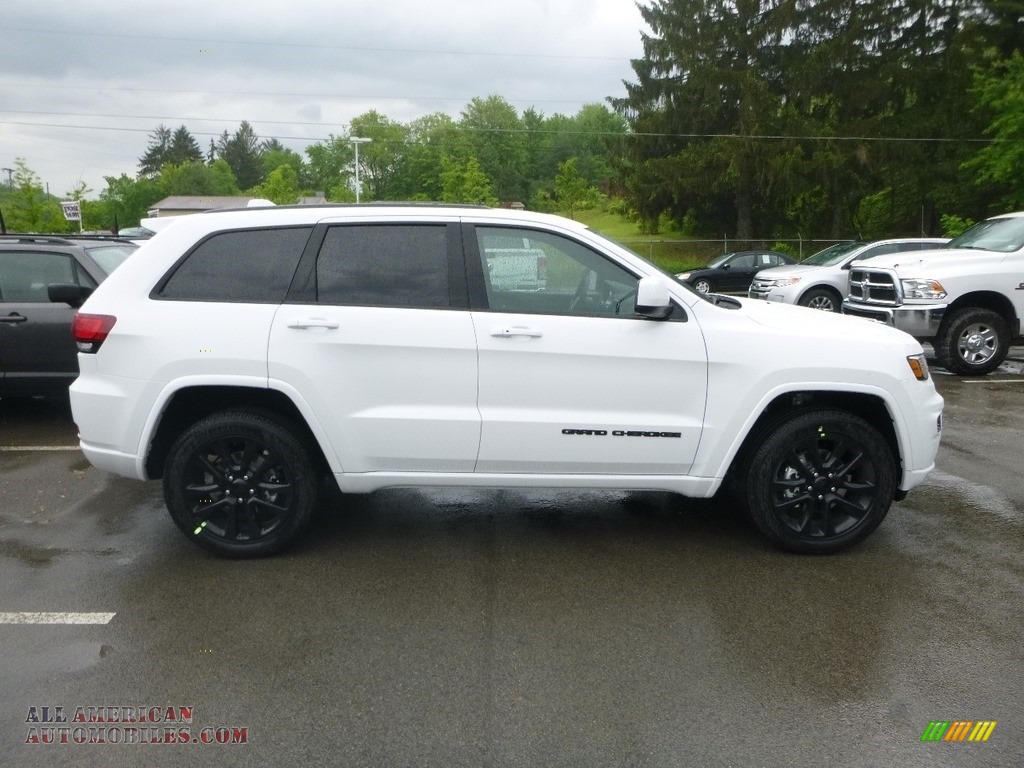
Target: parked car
x,y
732,272
966,298
377,346
821,281
43,279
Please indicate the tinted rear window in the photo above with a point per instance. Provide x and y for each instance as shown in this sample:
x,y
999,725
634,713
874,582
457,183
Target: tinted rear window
x,y
253,266
392,265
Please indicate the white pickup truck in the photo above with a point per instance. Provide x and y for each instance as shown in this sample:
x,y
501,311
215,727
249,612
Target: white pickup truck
x,y
966,297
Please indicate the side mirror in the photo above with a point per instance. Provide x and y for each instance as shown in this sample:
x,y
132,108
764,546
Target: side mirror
x,y
652,299
68,293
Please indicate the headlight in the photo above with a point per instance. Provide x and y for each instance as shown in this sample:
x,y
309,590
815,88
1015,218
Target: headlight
x,y
916,288
683,275
779,282
919,366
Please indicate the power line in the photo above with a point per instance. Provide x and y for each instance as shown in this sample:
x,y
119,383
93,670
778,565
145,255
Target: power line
x,y
469,129
307,46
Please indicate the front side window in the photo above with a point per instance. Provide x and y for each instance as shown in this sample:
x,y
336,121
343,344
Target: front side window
x,y
252,266
533,271
384,265
24,276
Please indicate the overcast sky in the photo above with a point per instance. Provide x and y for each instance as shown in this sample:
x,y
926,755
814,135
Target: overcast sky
x,y
82,84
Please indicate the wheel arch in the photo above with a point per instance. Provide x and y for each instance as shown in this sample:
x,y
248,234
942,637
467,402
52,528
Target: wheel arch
x,y
870,407
189,404
836,293
991,300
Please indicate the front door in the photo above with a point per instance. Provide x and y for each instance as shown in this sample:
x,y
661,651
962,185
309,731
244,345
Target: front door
x,y
571,379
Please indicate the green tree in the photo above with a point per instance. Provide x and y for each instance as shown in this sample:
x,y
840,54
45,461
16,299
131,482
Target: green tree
x,y
708,70
381,160
571,189
281,186
498,141
328,168
241,151
434,141
156,152
999,93
467,183
128,199
197,178
29,208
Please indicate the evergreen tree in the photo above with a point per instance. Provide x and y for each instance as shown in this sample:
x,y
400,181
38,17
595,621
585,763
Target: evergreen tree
x,y
241,151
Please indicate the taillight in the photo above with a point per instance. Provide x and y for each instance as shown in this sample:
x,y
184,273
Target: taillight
x,y
91,330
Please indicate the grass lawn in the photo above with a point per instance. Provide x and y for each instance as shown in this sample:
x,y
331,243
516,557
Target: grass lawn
x,y
669,250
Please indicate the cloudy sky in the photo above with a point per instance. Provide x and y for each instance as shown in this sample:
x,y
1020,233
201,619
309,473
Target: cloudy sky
x,y
82,84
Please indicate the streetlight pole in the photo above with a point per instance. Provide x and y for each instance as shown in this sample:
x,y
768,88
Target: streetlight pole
x,y
356,141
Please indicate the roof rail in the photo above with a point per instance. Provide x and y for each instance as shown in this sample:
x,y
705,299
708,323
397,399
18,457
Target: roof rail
x,y
29,238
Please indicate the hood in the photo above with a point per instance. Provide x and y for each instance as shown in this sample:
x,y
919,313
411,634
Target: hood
x,y
914,261
788,270
826,325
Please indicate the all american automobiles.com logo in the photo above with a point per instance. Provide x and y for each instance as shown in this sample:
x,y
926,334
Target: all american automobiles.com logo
x,y
125,725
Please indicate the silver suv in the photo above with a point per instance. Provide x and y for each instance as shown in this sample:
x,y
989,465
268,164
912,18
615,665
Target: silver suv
x,y
820,281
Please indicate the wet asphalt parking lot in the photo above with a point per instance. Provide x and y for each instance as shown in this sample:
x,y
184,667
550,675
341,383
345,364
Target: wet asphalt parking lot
x,y
509,628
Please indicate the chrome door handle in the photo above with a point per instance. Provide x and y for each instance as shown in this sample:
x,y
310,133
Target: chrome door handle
x,y
313,322
506,332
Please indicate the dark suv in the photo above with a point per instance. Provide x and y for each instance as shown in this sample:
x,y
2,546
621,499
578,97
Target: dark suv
x,y
43,279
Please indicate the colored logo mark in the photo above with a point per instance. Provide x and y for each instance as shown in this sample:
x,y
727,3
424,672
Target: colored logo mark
x,y
958,730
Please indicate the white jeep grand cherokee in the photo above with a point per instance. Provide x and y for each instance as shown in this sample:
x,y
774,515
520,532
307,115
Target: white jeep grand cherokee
x,y
242,356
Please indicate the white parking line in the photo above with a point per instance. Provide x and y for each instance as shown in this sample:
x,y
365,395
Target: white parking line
x,y
20,448
994,381
56,618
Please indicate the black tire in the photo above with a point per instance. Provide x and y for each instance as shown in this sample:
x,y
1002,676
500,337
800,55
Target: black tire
x,y
821,298
819,482
241,483
973,342
703,285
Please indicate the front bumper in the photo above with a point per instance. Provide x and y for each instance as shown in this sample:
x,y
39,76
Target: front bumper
x,y
921,321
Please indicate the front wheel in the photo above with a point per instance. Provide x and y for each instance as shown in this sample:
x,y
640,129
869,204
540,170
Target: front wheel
x,y
973,342
241,483
821,298
702,286
820,482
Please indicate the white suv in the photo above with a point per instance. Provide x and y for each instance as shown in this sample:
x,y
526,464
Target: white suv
x,y
246,355
821,281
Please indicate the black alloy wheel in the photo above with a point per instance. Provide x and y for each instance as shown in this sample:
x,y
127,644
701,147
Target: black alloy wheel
x,y
240,483
820,482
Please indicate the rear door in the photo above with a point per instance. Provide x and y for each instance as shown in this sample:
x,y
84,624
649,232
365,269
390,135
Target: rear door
x,y
572,381
377,339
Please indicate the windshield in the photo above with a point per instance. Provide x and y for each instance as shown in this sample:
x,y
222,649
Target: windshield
x,y
1002,235
110,257
719,261
831,255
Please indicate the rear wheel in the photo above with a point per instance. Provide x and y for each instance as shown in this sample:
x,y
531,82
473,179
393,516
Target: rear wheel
x,y
241,483
973,342
819,482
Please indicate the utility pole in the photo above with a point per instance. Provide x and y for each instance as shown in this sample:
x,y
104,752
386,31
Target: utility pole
x,y
10,181
356,141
